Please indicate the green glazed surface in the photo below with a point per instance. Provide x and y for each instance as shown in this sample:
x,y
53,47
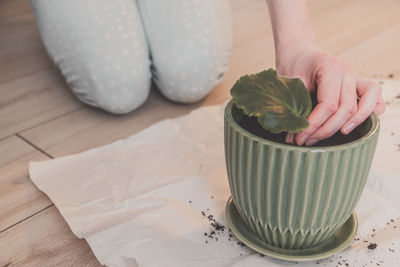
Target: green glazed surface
x,y
295,197
336,243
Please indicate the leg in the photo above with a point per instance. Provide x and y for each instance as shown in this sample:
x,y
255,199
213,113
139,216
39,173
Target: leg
x,y
190,45
100,48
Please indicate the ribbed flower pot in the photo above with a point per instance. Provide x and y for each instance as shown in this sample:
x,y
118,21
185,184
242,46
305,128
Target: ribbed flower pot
x,y
295,197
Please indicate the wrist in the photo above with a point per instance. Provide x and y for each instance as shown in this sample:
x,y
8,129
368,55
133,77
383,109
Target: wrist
x,y
288,52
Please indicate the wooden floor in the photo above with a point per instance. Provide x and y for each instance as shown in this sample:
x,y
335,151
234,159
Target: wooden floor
x,y
41,119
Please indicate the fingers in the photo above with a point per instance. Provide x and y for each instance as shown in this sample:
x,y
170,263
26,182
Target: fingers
x,y
370,100
328,100
347,108
380,106
289,138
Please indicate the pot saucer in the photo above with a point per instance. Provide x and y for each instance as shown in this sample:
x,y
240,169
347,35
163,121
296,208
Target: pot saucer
x,y
338,242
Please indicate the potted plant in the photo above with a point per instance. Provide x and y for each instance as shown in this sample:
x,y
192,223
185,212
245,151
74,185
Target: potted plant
x,y
292,198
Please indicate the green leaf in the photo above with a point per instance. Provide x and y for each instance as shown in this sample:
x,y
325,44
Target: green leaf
x,y
280,104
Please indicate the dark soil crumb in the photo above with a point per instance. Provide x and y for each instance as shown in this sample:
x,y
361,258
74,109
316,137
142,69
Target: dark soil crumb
x,y
390,76
372,246
218,230
190,201
240,244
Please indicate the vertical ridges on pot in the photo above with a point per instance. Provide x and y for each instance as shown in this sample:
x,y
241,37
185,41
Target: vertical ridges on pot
x,y
340,189
361,174
281,193
251,178
354,186
228,153
268,200
306,188
331,179
292,205
242,179
272,185
261,189
319,181
233,163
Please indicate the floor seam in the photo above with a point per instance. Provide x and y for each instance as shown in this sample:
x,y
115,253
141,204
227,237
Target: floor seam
x,y
33,145
30,216
41,123
49,120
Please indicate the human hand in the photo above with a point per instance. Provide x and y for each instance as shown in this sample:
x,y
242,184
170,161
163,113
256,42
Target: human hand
x,y
344,99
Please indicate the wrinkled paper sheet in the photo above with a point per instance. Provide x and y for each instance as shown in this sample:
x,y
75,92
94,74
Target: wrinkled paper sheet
x,y
139,201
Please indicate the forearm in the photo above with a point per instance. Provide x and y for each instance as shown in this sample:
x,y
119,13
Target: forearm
x,y
291,26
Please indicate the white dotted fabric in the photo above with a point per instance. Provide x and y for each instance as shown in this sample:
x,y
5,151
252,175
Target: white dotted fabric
x,y
109,51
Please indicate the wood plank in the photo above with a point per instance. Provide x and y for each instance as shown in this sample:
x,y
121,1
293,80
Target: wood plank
x,y
22,52
44,240
34,99
340,25
378,56
31,88
14,9
19,198
89,127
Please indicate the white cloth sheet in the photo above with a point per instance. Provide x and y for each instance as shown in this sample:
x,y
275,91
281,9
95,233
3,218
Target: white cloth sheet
x,y
139,201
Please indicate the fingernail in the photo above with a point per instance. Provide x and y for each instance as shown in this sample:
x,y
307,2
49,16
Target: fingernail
x,y
311,142
303,139
348,128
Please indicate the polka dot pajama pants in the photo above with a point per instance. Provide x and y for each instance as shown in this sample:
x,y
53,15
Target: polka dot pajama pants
x,y
110,51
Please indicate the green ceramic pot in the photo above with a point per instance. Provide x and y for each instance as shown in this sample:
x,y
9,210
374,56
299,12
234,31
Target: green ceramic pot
x,y
295,197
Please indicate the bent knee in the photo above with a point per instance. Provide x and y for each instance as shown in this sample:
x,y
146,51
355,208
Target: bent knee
x,y
189,84
112,91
